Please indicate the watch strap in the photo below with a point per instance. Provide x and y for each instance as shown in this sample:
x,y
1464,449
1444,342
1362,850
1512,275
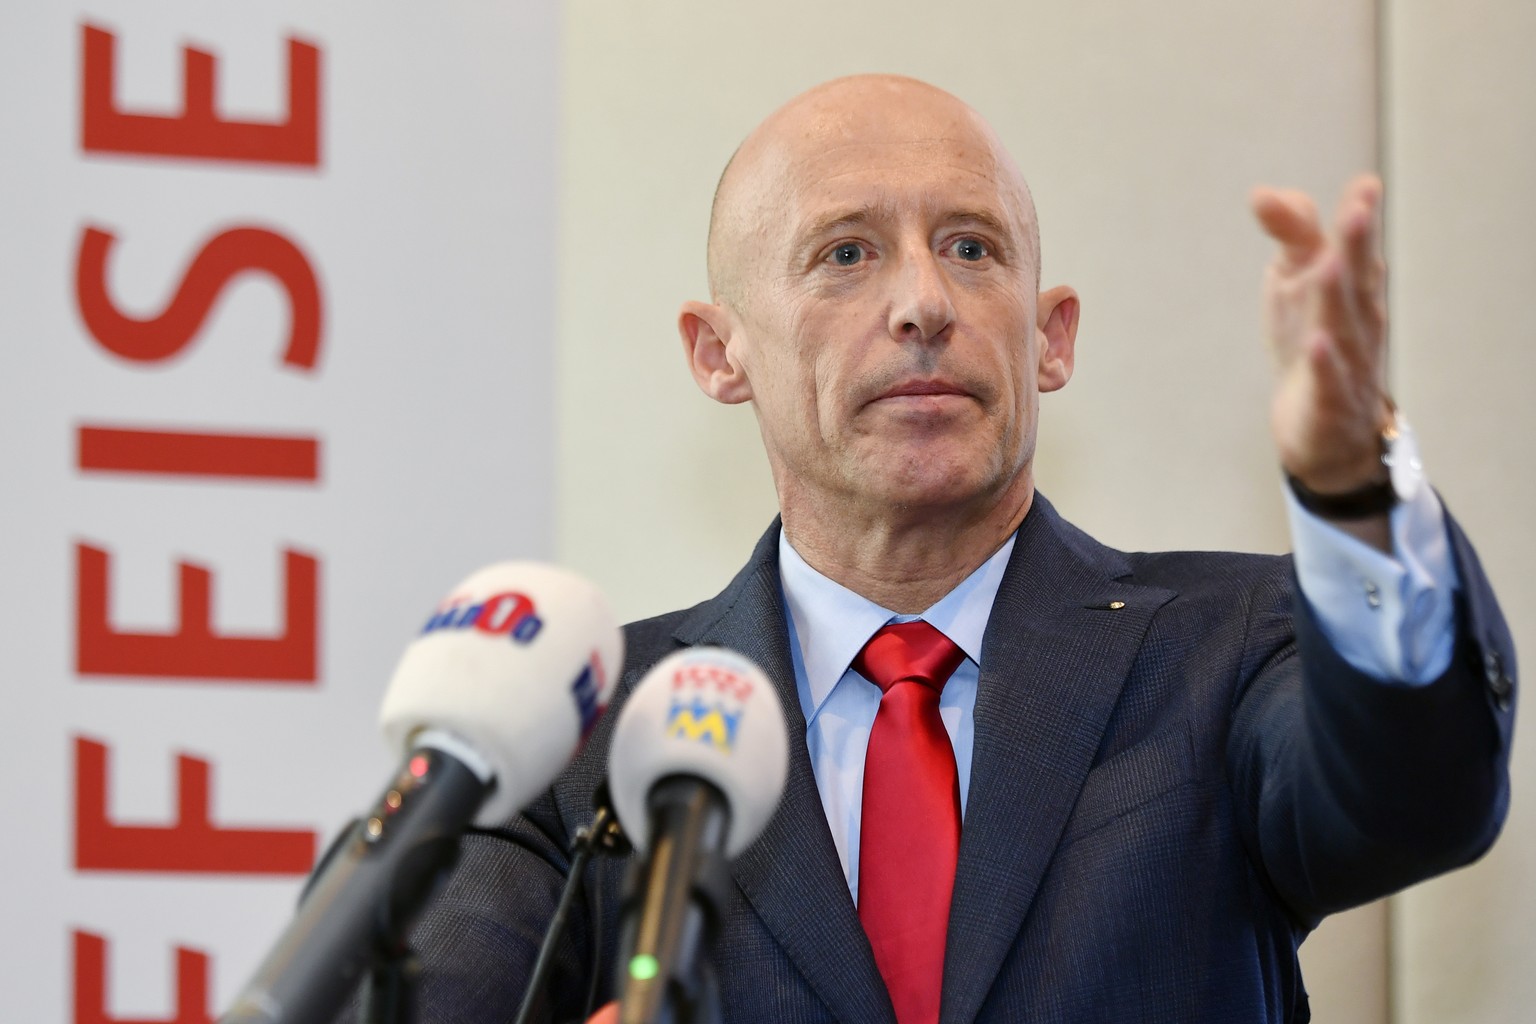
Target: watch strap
x,y
1361,503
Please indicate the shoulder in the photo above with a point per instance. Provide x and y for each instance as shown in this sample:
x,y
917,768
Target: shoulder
x,y
1189,574
1192,572
647,641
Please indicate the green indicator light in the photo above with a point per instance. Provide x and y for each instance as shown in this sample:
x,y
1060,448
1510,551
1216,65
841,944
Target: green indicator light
x,y
643,967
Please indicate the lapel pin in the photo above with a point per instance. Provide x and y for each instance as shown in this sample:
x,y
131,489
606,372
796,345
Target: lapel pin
x,y
1115,606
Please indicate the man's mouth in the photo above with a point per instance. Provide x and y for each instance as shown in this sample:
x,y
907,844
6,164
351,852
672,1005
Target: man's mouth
x,y
923,389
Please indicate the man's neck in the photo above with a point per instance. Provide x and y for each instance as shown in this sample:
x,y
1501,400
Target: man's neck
x,y
903,562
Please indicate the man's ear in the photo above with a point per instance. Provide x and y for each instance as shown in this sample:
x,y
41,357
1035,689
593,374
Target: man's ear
x,y
1056,315
706,331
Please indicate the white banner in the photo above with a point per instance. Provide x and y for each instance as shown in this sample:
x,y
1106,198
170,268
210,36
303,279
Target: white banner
x,y
278,331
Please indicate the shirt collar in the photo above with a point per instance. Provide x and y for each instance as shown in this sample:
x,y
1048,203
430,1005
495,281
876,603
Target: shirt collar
x,y
832,623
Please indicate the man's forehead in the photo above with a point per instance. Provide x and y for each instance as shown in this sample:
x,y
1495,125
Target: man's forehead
x,y
860,142
826,160
938,180
865,113
856,133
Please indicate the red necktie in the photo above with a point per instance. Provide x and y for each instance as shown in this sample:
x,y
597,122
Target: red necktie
x,y
909,835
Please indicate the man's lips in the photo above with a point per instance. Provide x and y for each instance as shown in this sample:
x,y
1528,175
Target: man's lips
x,y
923,389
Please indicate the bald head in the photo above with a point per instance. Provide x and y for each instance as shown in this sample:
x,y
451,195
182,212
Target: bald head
x,y
884,114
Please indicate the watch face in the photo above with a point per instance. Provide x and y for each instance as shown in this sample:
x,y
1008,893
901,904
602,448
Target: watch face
x,y
1402,459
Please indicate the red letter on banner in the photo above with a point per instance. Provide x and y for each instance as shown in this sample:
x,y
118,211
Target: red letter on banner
x,y
181,453
224,256
194,651
91,985
192,844
198,132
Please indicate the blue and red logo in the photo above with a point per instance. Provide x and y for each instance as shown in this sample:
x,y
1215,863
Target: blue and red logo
x,y
506,613
587,692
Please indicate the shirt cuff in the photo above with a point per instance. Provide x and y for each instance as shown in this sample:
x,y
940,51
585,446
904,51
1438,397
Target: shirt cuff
x,y
1389,616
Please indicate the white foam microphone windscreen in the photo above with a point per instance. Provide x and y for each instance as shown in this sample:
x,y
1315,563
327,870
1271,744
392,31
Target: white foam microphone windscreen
x,y
706,713
518,662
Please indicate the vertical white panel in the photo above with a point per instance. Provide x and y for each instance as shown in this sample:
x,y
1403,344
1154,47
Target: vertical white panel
x,y
1461,135
1141,128
428,225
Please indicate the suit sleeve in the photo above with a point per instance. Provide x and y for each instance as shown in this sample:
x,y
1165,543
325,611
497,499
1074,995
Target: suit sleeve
x,y
1348,789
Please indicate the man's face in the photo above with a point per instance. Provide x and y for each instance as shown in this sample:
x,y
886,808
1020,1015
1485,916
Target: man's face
x,y
886,319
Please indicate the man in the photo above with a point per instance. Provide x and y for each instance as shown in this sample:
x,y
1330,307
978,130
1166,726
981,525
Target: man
x,y
1168,767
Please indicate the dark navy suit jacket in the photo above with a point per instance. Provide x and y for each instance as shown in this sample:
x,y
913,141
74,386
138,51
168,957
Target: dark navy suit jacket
x,y
1175,778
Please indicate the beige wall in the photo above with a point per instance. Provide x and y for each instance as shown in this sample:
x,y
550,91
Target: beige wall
x,y
1141,128
1461,155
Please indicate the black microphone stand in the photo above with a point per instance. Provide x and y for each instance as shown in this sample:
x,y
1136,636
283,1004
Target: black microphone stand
x,y
389,995
603,836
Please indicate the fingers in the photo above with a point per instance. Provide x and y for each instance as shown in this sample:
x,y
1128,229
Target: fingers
x,y
1358,227
1339,315
1342,273
1290,218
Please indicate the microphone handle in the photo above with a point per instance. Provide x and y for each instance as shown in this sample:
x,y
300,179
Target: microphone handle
x,y
367,891
674,901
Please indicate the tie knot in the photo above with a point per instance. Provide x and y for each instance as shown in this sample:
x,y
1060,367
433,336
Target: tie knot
x,y
912,651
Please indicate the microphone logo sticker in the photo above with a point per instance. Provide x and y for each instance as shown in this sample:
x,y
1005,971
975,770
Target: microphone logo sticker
x,y
587,691
508,613
707,705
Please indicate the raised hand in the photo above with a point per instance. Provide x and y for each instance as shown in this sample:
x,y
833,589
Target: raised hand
x,y
1325,317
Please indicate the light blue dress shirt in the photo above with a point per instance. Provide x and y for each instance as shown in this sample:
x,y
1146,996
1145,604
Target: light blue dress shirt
x,y
1388,616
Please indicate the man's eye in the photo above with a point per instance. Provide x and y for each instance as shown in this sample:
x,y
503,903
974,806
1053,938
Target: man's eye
x,y
847,254
970,249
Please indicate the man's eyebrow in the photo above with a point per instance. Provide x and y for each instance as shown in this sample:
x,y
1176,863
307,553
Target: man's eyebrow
x,y
839,221
987,219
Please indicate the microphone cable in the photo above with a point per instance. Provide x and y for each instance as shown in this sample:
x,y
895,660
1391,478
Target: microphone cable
x,y
602,835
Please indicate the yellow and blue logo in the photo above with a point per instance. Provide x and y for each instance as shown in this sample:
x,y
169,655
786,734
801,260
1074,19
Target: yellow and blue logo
x,y
704,720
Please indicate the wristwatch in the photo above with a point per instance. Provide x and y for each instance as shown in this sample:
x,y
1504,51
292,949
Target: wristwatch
x,y
1405,471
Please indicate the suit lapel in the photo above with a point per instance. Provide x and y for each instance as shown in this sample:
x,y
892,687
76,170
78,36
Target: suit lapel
x,y
1054,659
791,876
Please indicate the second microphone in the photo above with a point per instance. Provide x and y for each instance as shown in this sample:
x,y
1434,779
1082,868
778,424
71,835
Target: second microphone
x,y
696,770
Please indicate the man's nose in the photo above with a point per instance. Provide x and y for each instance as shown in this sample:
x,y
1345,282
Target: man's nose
x,y
921,309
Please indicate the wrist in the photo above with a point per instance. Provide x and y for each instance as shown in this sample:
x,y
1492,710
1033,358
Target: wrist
x,y
1373,499
1390,478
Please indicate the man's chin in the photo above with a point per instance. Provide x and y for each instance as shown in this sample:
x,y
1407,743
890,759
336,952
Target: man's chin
x,y
936,485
